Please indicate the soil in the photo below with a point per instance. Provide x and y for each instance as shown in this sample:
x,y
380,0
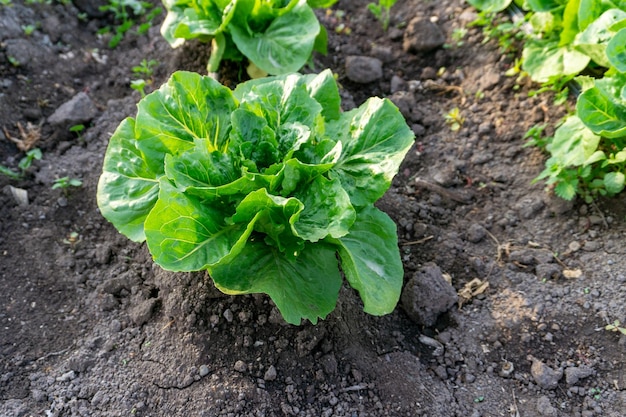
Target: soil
x,y
91,327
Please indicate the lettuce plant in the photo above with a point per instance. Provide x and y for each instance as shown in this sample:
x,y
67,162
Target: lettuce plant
x,y
277,36
267,187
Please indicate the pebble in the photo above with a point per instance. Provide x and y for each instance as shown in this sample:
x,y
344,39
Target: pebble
x,y
270,374
240,366
228,315
363,69
576,373
545,408
475,233
427,295
546,377
68,376
422,35
204,370
79,109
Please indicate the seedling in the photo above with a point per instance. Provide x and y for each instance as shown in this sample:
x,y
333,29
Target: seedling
x,y
146,69
28,29
265,187
534,136
457,36
72,239
13,61
616,326
126,13
6,2
596,393
23,165
65,183
382,11
454,119
78,129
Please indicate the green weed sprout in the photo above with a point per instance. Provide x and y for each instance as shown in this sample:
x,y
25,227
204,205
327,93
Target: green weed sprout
x,y
23,165
382,11
454,119
66,182
146,70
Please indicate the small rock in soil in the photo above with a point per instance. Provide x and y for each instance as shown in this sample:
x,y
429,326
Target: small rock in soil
x,y
427,295
475,233
79,109
576,373
397,84
9,25
203,371
548,271
363,69
25,52
544,407
270,374
546,377
142,312
422,35
240,366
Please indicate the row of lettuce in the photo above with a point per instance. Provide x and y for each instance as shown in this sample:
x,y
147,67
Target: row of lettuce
x,y
581,42
270,187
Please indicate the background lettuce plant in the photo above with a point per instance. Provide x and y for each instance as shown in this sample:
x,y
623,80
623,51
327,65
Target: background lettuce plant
x,y
277,36
265,187
588,149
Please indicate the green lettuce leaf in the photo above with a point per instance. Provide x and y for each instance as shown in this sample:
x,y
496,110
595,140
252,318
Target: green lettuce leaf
x,y
593,41
262,187
603,107
128,187
616,50
545,60
490,6
282,47
375,142
185,234
371,261
327,210
187,107
303,286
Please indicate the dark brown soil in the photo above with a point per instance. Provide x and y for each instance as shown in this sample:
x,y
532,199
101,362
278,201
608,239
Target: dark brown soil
x,y
89,326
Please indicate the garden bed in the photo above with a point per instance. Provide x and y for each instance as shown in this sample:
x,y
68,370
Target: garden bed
x,y
90,326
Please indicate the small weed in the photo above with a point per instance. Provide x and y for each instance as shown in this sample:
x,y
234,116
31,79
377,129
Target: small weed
x,y
78,129
13,61
457,36
65,183
534,136
616,326
6,3
595,393
454,119
28,29
23,165
72,239
125,14
507,34
382,11
145,69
